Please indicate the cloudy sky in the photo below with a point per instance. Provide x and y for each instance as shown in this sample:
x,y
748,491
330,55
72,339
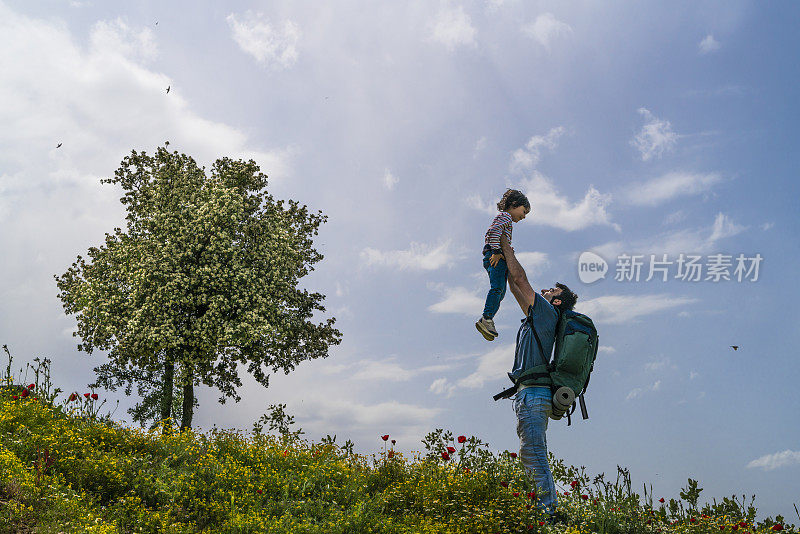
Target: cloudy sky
x,y
636,130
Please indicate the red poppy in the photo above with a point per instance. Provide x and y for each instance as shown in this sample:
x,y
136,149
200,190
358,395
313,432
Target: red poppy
x,y
661,499
532,494
531,527
692,520
31,386
445,456
778,526
722,527
516,494
72,397
513,455
649,521
451,450
94,396
566,493
259,491
384,438
390,454
462,439
743,524
86,395
584,497
24,393
594,501
15,397
573,484
393,442
466,470
504,484
541,523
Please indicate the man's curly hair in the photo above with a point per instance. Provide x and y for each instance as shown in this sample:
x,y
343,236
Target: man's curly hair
x,y
567,297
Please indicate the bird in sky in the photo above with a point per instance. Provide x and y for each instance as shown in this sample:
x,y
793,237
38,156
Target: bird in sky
x,y
735,347
59,145
168,88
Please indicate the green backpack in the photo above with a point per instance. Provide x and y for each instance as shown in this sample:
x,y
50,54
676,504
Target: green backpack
x,y
573,361
568,373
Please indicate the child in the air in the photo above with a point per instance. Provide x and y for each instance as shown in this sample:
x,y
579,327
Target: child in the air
x,y
513,207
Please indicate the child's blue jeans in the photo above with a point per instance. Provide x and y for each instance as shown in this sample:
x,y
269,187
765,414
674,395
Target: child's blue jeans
x,y
497,280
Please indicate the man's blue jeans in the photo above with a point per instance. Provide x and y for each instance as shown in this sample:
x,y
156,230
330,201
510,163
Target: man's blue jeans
x,y
497,280
533,407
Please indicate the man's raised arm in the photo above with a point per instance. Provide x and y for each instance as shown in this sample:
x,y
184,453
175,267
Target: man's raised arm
x,y
517,279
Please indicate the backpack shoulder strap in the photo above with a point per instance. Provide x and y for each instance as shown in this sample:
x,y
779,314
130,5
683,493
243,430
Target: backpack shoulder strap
x,y
536,334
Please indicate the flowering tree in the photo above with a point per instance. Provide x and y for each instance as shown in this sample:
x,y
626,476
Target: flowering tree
x,y
203,280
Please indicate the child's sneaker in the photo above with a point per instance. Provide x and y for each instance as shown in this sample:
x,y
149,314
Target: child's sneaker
x,y
486,328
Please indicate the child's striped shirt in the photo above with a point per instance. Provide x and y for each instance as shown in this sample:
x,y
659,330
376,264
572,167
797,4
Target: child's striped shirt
x,y
500,225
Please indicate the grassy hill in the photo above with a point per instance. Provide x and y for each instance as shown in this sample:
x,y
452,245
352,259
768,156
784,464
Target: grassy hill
x,y
64,469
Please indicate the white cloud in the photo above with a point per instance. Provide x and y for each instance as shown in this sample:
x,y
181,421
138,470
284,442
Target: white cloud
x,y
700,241
99,101
441,386
389,370
389,180
546,29
638,392
634,393
117,38
708,44
623,309
652,367
655,137
666,187
551,209
419,257
693,375
336,412
453,28
527,158
675,217
770,462
256,36
492,366
494,5
382,370
477,203
605,348
724,227
533,262
766,226
458,300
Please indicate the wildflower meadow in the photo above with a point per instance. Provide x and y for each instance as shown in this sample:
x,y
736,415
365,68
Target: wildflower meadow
x,y
65,467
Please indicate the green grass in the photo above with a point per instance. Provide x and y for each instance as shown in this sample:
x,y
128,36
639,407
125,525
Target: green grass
x,y
63,469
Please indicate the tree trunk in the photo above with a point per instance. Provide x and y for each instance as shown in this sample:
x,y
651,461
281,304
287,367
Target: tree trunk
x,y
166,394
188,405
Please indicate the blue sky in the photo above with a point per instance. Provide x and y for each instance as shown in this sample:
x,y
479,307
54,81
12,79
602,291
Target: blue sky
x,y
657,128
